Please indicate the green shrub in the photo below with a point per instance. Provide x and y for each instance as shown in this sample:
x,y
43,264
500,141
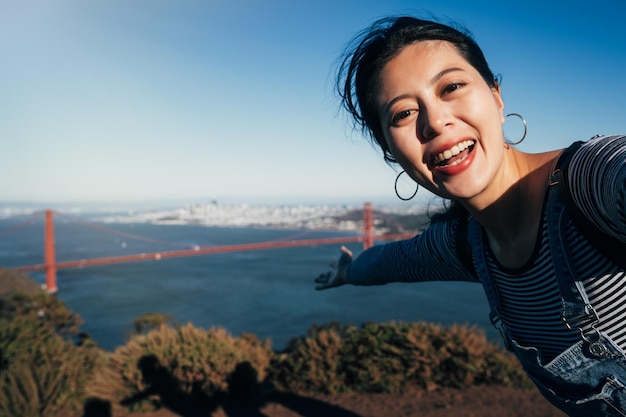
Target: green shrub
x,y
43,374
311,364
150,321
44,308
179,366
392,357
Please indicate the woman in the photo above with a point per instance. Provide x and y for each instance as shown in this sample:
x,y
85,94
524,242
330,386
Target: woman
x,y
424,93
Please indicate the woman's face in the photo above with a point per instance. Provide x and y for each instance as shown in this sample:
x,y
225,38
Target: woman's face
x,y
441,120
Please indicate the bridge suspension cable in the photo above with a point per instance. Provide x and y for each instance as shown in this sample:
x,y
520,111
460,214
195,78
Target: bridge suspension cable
x,y
51,265
119,233
30,220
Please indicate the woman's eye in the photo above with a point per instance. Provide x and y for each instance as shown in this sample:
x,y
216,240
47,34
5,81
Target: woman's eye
x,y
452,87
397,118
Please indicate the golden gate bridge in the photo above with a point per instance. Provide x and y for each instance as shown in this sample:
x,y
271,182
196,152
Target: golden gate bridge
x,y
51,265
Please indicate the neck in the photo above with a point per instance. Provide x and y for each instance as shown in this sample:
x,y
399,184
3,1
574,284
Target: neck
x,y
511,216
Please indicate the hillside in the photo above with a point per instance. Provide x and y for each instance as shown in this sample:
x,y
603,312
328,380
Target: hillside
x,y
483,401
11,282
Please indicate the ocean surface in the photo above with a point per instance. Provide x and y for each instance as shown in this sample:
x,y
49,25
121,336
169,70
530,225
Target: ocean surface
x,y
266,292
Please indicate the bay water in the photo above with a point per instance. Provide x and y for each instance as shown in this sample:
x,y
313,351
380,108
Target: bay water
x,y
267,292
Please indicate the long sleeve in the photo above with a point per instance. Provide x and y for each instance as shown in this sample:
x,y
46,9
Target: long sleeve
x,y
429,256
597,182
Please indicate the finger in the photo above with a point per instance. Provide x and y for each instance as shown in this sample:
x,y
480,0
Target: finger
x,y
346,251
323,278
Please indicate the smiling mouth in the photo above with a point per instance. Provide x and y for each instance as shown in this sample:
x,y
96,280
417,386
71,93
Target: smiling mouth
x,y
454,155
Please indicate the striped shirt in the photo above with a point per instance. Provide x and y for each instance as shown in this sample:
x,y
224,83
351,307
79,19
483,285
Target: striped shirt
x,y
530,303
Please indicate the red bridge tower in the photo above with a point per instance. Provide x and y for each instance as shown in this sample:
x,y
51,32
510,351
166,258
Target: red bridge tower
x,y
50,255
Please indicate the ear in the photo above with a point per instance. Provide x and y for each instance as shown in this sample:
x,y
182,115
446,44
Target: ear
x,y
497,94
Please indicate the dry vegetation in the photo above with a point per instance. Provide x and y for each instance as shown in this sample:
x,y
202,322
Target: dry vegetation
x,y
48,368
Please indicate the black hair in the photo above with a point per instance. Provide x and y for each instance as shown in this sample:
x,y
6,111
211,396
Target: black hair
x,y
367,54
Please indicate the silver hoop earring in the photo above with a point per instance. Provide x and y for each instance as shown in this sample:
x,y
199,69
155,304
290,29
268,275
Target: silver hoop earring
x,y
524,123
396,188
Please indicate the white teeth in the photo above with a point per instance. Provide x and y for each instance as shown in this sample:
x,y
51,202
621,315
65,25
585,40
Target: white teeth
x,y
455,150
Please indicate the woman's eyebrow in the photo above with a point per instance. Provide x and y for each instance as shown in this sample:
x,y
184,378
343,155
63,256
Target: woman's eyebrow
x,y
388,106
440,74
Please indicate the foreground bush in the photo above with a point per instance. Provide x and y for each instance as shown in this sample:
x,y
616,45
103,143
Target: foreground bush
x,y
45,372
41,308
393,357
181,367
42,374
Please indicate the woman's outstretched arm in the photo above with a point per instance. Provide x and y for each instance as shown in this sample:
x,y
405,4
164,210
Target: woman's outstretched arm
x,y
429,256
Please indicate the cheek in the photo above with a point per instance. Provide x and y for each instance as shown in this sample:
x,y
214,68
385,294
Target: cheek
x,y
484,105
393,147
404,146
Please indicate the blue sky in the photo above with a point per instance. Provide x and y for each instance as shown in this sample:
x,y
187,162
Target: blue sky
x,y
146,100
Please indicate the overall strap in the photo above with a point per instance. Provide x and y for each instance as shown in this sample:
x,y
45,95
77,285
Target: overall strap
x,y
475,240
577,313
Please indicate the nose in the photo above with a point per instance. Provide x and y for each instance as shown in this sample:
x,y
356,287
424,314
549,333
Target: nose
x,y
431,122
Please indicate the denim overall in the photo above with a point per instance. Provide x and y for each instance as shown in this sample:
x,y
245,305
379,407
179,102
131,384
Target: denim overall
x,y
587,379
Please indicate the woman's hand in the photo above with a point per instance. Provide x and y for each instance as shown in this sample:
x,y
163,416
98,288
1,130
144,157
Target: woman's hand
x,y
339,276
